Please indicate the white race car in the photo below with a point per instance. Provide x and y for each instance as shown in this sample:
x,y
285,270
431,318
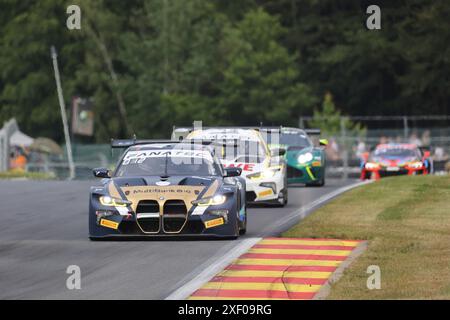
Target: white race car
x,y
264,170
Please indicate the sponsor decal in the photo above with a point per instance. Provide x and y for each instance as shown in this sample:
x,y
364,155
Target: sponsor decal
x,y
162,190
265,193
214,223
225,135
316,164
162,183
109,224
138,157
244,166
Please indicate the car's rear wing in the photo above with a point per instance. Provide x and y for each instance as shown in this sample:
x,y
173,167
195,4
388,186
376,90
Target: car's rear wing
x,y
125,143
312,131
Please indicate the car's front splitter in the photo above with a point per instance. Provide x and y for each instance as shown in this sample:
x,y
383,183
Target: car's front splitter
x,y
304,174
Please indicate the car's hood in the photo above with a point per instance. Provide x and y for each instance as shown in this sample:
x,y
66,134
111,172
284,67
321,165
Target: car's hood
x,y
393,161
184,188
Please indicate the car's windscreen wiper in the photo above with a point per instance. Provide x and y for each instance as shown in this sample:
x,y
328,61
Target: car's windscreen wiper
x,y
165,176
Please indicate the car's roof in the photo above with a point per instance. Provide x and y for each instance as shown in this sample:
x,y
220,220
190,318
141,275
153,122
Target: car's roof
x,y
175,145
225,133
409,146
288,130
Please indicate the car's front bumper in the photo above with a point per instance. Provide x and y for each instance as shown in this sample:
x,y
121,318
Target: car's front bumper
x,y
118,224
264,190
304,173
383,172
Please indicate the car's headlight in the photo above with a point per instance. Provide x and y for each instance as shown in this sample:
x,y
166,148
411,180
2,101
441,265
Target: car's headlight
x,y
415,165
268,173
113,202
210,201
371,165
304,158
265,174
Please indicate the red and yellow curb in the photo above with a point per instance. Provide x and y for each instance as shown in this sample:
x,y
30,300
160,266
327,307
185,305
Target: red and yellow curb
x,y
279,268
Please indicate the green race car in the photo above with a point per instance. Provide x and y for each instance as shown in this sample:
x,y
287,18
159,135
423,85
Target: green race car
x,y
305,162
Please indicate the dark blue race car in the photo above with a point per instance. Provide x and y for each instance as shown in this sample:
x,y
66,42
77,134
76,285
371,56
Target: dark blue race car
x,y
167,189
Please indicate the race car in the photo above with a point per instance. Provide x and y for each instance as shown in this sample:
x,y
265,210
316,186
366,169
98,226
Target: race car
x,y
305,162
264,170
395,159
167,189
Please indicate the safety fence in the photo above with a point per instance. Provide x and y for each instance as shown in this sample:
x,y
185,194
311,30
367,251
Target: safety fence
x,y
345,155
344,152
86,158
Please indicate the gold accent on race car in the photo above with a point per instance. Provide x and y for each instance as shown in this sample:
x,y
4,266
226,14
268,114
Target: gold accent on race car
x,y
163,193
211,190
109,224
113,191
214,223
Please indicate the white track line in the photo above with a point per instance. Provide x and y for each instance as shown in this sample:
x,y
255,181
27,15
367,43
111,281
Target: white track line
x,y
219,261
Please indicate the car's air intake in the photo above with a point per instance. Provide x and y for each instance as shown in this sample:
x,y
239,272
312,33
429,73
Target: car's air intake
x,y
174,216
147,216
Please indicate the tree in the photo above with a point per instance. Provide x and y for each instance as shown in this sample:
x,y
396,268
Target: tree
x,y
331,122
28,90
260,78
174,64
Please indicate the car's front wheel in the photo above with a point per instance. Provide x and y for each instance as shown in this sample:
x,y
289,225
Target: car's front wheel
x,y
243,229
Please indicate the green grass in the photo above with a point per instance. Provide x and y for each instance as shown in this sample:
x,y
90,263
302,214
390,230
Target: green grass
x,y
406,221
27,175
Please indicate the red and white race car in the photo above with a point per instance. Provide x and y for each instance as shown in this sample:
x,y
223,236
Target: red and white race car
x,y
396,159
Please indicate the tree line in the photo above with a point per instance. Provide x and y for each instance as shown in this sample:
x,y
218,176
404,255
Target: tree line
x,y
150,64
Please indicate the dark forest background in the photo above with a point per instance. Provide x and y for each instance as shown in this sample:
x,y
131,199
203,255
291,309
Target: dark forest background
x,y
151,64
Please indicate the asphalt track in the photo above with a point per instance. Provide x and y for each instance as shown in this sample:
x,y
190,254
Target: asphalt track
x,y
43,230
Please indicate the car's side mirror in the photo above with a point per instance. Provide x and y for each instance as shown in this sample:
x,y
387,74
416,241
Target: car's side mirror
x,y
101,173
278,152
323,142
232,172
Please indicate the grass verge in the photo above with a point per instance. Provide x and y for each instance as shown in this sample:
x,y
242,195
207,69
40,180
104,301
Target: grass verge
x,y
406,221
16,174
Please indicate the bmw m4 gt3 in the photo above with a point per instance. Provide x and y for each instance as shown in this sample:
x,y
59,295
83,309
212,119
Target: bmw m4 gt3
x,y
167,189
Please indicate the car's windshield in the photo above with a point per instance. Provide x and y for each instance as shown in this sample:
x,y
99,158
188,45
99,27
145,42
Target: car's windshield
x,y
158,163
395,152
240,151
295,140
